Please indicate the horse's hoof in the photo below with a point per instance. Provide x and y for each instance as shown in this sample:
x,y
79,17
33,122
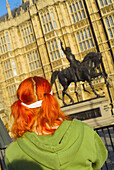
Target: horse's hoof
x,y
72,101
65,104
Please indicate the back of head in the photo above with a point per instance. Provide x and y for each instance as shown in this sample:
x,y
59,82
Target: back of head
x,y
33,89
28,114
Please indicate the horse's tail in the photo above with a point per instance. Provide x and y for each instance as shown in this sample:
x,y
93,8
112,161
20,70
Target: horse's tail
x,y
54,76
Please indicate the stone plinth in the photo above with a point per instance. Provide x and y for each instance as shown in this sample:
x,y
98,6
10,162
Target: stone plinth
x,y
95,112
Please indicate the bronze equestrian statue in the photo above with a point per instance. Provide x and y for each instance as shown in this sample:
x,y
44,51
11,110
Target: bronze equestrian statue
x,y
79,71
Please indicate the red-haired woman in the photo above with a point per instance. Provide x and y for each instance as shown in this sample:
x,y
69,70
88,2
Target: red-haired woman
x,y
45,137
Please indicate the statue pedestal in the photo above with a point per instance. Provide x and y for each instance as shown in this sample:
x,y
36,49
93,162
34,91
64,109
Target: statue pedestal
x,y
94,112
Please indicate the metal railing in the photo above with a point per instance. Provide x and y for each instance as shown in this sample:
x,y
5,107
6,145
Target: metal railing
x,y
107,135
2,159
5,140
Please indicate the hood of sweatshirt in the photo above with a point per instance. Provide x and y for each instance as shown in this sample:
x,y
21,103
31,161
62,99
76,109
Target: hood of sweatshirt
x,y
57,150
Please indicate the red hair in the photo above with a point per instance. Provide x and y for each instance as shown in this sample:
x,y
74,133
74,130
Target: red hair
x,y
26,119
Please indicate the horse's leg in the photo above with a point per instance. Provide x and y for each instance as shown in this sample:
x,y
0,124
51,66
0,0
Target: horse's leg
x,y
104,75
59,96
85,89
64,92
71,100
76,91
93,89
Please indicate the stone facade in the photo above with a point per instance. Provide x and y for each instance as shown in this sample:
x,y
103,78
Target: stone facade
x,y
30,44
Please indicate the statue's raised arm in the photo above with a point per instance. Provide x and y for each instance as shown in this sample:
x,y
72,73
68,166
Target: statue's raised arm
x,y
61,43
67,52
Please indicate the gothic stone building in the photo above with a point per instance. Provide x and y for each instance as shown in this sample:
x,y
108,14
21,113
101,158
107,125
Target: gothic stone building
x,y
30,44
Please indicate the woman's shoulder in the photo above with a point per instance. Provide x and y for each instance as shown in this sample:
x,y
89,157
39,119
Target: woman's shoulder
x,y
81,123
11,147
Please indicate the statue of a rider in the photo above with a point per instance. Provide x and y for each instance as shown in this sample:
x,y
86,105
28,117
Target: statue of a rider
x,y
71,58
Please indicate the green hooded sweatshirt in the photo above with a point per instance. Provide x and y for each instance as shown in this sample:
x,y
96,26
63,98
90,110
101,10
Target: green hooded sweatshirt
x,y
73,146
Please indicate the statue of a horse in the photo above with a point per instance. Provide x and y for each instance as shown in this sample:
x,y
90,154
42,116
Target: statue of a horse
x,y
84,71
94,60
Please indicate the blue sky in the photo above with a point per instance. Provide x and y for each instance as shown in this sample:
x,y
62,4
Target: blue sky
x,y
13,4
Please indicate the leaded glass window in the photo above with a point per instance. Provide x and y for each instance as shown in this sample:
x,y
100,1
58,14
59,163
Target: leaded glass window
x,y
48,21
55,50
109,21
5,43
27,34
77,11
104,3
85,39
33,60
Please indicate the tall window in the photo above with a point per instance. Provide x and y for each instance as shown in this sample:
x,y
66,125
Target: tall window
x,y
110,25
14,68
53,20
5,44
105,2
33,59
10,69
2,106
54,50
27,33
48,21
8,42
85,39
77,11
12,90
